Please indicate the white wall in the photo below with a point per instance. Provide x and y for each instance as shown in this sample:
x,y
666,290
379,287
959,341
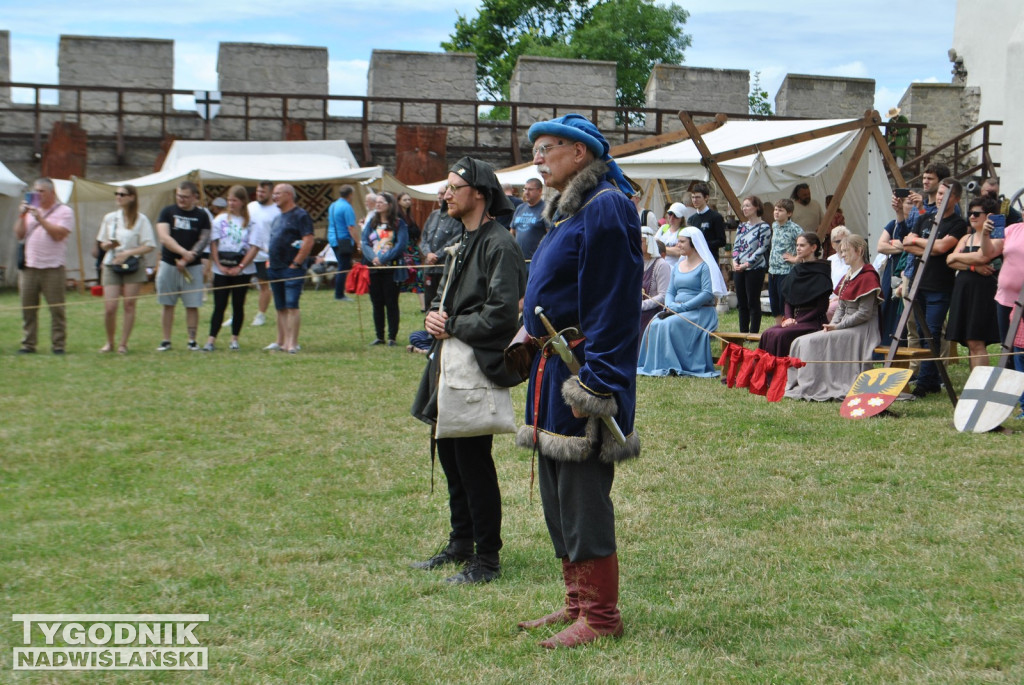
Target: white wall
x,y
989,35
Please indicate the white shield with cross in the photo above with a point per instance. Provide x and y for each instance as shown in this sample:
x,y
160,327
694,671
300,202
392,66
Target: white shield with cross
x,y
987,399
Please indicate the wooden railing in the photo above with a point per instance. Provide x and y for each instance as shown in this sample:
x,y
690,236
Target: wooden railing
x,y
964,157
242,112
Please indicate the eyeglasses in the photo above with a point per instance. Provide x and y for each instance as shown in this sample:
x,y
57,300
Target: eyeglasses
x,y
542,150
451,188
120,194
975,215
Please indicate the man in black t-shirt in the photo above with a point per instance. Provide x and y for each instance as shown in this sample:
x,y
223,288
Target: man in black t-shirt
x,y
936,285
706,220
183,230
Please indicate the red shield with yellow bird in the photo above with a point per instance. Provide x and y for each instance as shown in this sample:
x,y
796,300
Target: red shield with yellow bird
x,y
873,391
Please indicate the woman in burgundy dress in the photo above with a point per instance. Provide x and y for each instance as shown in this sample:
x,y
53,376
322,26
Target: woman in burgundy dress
x,y
805,294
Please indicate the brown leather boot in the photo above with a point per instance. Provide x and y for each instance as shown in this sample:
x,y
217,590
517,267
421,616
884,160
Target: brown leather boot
x,y
598,586
568,613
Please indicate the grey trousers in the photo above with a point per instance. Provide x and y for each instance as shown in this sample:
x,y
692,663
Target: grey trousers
x,y
578,507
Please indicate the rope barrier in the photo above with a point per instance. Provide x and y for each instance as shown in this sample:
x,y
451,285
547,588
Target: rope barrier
x,y
850,361
211,289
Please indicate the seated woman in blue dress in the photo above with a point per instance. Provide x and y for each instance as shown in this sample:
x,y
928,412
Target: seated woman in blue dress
x,y
677,342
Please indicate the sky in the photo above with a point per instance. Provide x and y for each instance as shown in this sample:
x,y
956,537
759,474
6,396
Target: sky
x,y
893,42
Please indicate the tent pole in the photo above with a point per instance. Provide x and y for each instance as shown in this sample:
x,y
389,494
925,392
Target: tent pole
x,y
890,161
665,138
710,161
844,180
78,240
785,141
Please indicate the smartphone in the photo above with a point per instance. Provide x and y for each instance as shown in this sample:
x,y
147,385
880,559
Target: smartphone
x,y
32,198
998,225
901,192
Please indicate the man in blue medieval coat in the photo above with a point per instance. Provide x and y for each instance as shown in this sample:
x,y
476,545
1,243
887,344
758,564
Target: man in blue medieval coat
x,y
586,274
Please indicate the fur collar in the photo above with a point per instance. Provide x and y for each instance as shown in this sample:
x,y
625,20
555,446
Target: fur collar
x,y
569,201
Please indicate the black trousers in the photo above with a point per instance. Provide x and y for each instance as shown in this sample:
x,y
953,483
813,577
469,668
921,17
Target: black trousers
x,y
235,287
384,297
578,507
473,494
748,298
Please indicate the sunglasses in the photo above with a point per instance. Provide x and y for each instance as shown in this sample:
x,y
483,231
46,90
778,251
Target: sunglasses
x,y
120,194
975,215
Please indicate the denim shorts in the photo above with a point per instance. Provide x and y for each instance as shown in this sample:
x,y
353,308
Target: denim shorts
x,y
286,286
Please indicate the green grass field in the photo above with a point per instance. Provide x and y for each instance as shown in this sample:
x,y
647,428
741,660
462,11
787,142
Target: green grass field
x,y
285,496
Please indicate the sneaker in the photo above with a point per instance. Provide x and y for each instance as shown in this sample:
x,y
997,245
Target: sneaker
x,y
25,350
391,343
481,568
378,341
164,346
208,347
193,346
346,298
260,319
920,390
272,347
226,324
234,346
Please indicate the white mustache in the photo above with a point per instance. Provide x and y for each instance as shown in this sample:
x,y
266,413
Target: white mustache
x,y
544,169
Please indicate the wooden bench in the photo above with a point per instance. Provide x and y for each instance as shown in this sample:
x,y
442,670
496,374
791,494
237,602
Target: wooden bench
x,y
739,338
904,355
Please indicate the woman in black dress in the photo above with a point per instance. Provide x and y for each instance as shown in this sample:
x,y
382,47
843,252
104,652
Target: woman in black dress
x,y
973,321
805,294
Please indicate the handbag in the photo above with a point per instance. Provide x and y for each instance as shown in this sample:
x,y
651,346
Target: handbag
x,y
230,259
468,403
128,266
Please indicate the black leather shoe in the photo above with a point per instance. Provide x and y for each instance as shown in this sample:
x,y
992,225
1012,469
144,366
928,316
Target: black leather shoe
x,y
455,552
482,568
921,391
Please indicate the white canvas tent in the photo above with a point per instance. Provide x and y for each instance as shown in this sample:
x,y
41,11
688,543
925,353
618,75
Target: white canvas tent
x,y
205,162
517,176
772,174
11,192
12,189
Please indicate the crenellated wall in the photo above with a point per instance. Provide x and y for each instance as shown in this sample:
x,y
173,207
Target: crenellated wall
x,y
696,89
560,86
548,86
263,68
824,97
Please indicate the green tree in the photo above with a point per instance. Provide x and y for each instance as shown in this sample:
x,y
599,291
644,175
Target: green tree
x,y
758,99
637,34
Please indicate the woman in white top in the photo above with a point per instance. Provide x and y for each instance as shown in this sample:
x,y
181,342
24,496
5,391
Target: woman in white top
x,y
656,278
839,266
125,235
669,233
232,256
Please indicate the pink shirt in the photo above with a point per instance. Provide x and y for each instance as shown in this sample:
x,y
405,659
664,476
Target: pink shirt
x,y
42,251
1011,275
